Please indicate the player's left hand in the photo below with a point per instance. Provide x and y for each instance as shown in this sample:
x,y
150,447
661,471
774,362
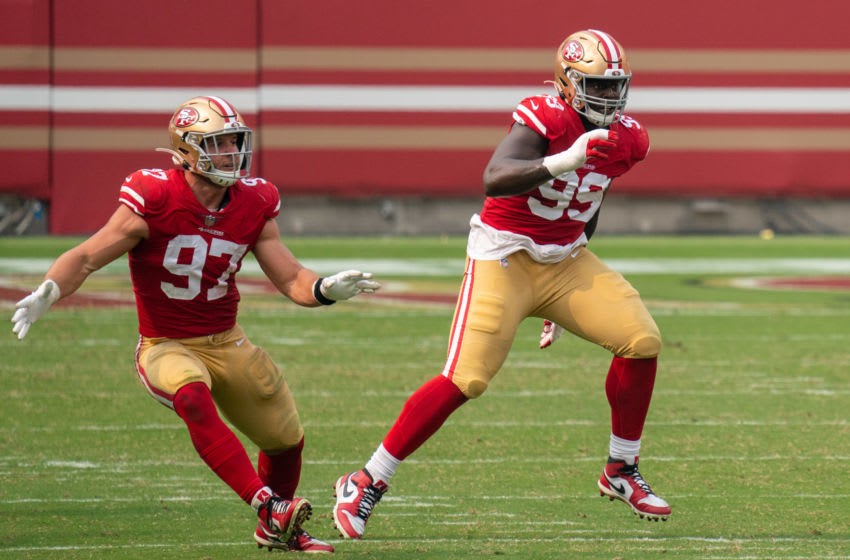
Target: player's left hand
x,y
599,148
551,333
347,284
29,309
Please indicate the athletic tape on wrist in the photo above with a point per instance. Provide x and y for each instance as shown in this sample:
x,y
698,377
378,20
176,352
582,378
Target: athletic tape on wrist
x,y
320,297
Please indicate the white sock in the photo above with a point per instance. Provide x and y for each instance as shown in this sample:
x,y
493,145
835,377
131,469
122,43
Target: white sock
x,y
625,449
382,465
260,497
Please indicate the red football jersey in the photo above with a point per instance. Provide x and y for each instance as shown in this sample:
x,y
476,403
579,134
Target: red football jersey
x,y
557,211
184,272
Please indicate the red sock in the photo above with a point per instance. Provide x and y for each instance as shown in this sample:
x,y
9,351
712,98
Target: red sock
x,y
282,471
217,445
629,389
422,415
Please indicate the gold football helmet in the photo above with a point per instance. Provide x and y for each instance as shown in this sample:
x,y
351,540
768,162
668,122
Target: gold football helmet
x,y
199,131
592,75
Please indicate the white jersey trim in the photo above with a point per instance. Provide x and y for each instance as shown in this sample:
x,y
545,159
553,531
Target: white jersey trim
x,y
486,243
541,128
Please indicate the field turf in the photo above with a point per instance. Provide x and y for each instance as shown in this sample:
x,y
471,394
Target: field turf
x,y
748,436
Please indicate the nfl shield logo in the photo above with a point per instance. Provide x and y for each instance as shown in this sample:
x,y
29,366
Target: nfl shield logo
x,y
210,220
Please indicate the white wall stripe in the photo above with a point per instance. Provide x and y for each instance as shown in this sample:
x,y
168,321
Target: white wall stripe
x,y
418,98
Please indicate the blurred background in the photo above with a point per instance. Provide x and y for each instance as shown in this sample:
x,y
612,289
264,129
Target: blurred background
x,y
378,116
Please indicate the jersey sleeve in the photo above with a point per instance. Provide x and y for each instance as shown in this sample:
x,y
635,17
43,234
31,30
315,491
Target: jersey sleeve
x,y
543,114
267,196
635,136
142,190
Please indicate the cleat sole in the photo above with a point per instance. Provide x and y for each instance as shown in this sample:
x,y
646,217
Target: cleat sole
x,y
643,515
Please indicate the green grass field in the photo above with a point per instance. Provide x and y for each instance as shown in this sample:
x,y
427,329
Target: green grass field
x,y
748,437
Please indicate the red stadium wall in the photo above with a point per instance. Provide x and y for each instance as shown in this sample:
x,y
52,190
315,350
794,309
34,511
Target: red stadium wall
x,y
355,99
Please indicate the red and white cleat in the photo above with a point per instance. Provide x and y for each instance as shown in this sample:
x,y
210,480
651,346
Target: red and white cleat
x,y
356,495
302,541
280,520
622,481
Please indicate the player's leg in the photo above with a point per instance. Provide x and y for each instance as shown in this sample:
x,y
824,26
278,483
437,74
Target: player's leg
x,y
176,377
177,374
252,393
493,300
598,304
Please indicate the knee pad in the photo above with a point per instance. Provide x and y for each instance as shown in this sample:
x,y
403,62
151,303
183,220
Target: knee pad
x,y
646,346
474,388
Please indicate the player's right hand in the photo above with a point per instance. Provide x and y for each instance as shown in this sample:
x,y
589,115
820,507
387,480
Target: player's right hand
x,y
551,333
347,284
29,309
595,144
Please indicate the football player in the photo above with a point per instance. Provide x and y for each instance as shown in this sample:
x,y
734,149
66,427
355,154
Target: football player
x,y
186,230
527,257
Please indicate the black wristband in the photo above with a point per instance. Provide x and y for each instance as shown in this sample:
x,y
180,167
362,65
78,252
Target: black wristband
x,y
320,297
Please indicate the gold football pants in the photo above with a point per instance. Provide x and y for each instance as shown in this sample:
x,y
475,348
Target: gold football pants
x,y
581,294
247,386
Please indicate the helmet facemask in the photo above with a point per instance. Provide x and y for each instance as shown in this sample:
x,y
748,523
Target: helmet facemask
x,y
232,165
601,99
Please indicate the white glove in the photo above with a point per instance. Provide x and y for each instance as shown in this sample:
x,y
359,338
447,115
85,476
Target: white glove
x,y
551,333
594,144
345,285
29,309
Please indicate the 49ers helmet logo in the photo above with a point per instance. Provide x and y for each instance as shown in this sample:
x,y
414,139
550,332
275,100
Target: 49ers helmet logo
x,y
186,117
573,51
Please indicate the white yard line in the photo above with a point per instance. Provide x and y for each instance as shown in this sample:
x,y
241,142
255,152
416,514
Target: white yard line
x,y
454,266
757,544
492,424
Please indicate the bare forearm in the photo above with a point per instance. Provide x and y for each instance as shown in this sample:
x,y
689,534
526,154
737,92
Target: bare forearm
x,y
516,165
73,267
70,270
119,235
301,288
513,177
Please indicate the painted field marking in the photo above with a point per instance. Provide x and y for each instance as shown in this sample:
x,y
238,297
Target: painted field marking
x,y
759,543
454,266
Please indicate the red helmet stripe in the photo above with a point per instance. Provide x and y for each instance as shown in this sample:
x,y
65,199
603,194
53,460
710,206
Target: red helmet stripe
x,y
612,52
223,107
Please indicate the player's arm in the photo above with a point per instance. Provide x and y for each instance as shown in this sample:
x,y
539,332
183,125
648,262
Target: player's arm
x,y
300,284
120,234
519,163
590,227
288,275
516,165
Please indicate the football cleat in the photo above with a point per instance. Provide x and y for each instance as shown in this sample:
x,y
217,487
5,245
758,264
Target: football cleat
x,y
622,481
356,496
280,520
302,541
